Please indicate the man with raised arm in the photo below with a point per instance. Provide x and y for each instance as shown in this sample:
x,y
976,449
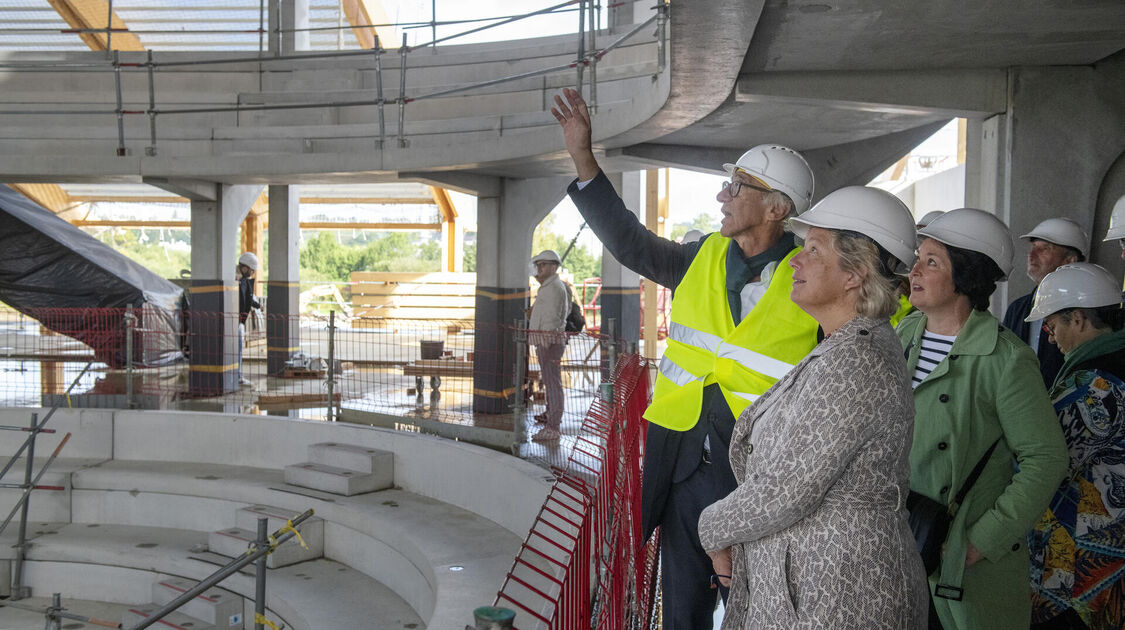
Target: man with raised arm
x,y
733,332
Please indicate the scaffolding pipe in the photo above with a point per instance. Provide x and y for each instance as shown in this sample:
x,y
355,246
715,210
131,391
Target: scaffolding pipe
x,y
226,571
331,362
379,89
661,36
581,43
120,112
19,590
55,612
402,94
260,575
50,413
519,431
150,150
109,28
130,327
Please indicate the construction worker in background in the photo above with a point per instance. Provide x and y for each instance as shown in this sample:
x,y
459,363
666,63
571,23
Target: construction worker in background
x,y
247,268
546,332
1054,242
1116,231
1078,546
733,332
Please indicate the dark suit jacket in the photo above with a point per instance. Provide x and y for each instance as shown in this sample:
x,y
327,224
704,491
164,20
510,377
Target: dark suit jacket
x,y
1050,359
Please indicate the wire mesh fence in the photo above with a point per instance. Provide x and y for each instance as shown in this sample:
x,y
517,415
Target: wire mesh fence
x,y
412,372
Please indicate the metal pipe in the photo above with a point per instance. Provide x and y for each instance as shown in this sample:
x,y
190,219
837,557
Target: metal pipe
x,y
150,150
331,362
109,28
593,84
55,612
260,575
661,36
519,431
229,569
433,24
261,27
621,40
509,20
27,491
581,43
402,94
514,77
19,591
130,325
379,89
120,114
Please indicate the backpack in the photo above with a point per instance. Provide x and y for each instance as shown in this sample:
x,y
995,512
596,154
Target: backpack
x,y
575,320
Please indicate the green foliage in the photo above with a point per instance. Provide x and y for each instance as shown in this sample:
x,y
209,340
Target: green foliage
x,y
323,258
703,222
470,258
149,249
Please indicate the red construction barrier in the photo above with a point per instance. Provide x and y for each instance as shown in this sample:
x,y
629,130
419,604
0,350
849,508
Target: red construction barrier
x,y
583,564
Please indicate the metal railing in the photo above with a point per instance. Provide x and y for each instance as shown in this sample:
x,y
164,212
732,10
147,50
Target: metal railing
x,y
588,55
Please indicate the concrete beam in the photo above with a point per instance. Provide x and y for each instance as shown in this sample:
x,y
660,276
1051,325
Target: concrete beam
x,y
955,93
462,182
190,189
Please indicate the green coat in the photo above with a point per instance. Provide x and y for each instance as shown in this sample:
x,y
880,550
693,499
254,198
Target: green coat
x,y
989,386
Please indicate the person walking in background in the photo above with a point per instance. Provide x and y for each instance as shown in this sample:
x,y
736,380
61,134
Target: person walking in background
x,y
816,535
247,269
733,333
978,396
1054,242
1078,546
548,320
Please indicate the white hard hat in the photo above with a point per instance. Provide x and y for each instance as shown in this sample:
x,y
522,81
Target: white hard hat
x,y
929,217
1062,232
249,259
547,255
1117,221
1077,285
780,168
976,230
872,212
692,236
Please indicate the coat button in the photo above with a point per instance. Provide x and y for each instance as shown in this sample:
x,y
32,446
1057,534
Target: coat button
x,y
953,357
944,489
1016,547
942,446
944,398
749,448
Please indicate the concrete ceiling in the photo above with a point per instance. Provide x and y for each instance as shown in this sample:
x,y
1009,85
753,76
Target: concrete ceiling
x,y
861,80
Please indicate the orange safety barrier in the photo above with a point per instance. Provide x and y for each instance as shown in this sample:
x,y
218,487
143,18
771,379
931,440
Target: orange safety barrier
x,y
583,564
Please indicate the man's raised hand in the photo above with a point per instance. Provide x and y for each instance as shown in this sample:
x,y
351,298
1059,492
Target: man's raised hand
x,y
574,118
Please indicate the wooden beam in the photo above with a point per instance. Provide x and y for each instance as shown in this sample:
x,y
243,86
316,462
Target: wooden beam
x,y
88,14
127,199
50,196
444,203
416,201
305,225
361,15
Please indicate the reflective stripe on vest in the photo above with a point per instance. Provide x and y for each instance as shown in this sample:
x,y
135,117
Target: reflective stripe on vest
x,y
705,346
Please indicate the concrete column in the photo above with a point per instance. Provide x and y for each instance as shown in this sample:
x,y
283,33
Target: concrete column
x,y
1066,129
506,220
283,337
213,324
288,15
621,293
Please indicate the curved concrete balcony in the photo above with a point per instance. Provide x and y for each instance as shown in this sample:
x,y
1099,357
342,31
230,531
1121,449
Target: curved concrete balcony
x,y
494,124
143,491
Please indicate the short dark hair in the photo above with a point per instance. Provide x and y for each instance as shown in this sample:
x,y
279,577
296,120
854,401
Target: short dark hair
x,y
974,275
1104,317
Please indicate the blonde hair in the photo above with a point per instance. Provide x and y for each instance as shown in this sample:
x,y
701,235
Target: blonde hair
x,y
878,293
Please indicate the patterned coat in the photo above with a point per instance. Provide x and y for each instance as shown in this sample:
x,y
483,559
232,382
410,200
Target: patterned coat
x,y
817,523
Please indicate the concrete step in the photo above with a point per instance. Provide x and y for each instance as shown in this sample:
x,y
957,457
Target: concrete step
x,y
222,609
234,541
312,530
354,457
174,621
335,480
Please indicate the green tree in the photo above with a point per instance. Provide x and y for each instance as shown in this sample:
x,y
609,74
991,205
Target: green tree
x,y
703,222
580,262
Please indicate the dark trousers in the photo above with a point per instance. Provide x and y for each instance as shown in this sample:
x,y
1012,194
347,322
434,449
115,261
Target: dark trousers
x,y
1068,620
688,599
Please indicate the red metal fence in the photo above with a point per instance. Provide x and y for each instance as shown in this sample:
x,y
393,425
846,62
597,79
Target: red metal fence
x,y
583,564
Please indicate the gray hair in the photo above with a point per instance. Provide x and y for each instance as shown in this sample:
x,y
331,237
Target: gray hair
x,y
878,293
777,200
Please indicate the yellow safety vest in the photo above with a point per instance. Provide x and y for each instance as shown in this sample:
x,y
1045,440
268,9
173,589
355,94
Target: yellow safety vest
x,y
704,345
904,308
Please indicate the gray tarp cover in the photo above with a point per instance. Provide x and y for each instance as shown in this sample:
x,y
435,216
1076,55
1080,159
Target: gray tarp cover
x,y
77,286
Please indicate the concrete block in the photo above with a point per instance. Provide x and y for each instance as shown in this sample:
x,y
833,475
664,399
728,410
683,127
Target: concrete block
x,y
136,614
235,541
353,457
312,530
215,606
334,480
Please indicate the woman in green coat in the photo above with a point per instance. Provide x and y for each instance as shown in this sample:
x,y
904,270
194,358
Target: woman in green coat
x,y
976,384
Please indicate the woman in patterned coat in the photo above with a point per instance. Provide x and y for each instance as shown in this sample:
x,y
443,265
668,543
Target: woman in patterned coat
x,y
815,535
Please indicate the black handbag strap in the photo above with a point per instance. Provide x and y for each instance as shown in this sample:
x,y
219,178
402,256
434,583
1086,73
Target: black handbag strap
x,y
972,478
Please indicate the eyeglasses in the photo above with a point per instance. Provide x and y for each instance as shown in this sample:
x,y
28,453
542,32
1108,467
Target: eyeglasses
x,y
1060,316
733,187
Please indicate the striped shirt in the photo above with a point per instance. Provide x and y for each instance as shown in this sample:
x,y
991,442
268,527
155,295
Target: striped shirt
x,y
934,349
